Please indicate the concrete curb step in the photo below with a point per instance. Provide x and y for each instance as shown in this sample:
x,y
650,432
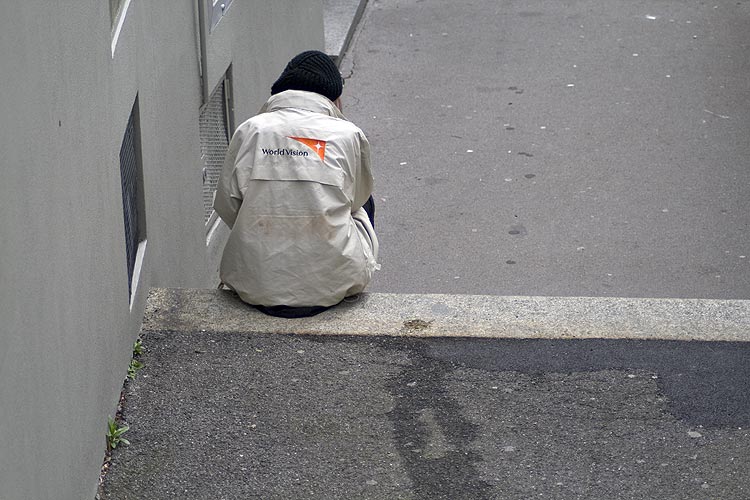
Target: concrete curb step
x,y
340,20
477,316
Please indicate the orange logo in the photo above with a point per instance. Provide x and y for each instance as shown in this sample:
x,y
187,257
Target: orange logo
x,y
315,144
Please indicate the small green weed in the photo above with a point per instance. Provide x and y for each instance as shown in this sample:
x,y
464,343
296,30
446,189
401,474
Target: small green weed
x,y
114,434
135,365
137,348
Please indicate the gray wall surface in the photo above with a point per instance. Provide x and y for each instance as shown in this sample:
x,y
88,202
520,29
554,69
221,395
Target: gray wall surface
x,y
67,321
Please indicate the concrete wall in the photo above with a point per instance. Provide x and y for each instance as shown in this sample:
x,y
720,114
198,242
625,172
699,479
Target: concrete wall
x,y
67,322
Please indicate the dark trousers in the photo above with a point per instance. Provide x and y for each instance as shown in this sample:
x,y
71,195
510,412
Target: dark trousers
x,y
369,207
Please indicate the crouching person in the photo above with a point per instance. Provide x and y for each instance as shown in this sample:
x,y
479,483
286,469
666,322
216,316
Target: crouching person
x,y
295,190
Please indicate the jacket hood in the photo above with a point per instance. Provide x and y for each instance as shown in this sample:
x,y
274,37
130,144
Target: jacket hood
x,y
302,99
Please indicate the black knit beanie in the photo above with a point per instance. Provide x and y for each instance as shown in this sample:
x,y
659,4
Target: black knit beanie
x,y
313,71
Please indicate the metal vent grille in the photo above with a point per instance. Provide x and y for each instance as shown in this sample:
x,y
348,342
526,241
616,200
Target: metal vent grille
x,y
129,176
214,135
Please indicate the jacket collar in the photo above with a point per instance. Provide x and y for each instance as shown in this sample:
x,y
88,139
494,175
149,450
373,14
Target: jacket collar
x,y
300,99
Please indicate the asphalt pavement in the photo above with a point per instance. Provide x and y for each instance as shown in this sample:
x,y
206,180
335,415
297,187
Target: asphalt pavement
x,y
227,416
587,148
226,407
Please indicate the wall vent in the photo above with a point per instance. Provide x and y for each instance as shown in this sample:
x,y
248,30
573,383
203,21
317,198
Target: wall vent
x,y
215,126
131,177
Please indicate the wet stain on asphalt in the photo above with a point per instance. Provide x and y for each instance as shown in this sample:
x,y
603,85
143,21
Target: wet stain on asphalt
x,y
697,393
433,439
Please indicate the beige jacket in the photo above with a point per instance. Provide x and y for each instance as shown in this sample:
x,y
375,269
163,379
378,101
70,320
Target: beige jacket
x,y
292,187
